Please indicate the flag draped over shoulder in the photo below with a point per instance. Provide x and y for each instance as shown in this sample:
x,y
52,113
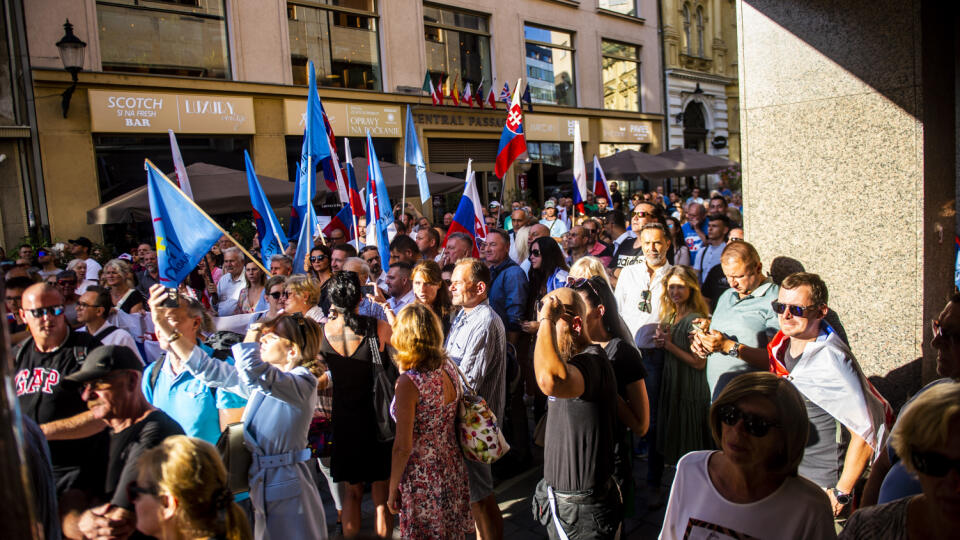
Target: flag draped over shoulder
x,y
184,233
579,171
413,156
379,211
513,143
272,240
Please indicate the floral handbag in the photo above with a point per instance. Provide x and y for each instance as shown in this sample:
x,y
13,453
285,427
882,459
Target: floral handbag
x,y
480,437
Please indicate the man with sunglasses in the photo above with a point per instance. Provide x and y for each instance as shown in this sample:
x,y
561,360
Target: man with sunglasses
x,y
44,360
848,418
109,383
47,262
629,252
577,496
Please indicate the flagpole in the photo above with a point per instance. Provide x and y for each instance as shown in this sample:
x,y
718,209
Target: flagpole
x,y
323,239
215,224
403,193
356,231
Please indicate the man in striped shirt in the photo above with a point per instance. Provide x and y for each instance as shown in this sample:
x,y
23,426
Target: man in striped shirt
x,y
477,343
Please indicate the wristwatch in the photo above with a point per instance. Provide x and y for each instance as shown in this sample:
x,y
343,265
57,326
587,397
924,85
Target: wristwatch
x,y
735,350
842,498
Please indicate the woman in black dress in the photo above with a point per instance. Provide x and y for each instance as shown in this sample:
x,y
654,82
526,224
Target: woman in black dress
x,y
358,457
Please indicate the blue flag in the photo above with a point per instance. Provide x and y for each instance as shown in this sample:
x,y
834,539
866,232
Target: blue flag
x,y
316,145
308,228
184,233
379,211
413,156
296,211
272,240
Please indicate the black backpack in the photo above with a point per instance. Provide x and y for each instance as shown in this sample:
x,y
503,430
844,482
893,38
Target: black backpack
x,y
220,342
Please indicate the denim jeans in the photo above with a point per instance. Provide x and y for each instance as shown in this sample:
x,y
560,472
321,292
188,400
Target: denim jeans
x,y
583,515
653,362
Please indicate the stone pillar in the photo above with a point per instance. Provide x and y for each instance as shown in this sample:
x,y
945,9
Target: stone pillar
x,y
849,158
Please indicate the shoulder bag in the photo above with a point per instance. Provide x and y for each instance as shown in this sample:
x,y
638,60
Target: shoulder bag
x,y
236,458
480,437
384,380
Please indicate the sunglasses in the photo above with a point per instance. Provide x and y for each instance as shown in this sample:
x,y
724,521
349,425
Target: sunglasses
x,y
796,311
39,313
286,294
134,491
66,282
275,295
584,283
754,425
14,299
567,310
935,464
86,305
319,258
645,305
939,333
535,252
642,214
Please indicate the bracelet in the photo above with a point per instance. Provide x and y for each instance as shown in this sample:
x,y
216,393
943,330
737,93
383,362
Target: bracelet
x,y
543,319
174,336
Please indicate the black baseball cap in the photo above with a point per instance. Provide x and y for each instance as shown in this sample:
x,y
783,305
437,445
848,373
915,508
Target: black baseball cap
x,y
82,241
104,360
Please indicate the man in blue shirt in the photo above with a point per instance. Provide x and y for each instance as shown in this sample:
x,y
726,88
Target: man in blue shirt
x,y
695,228
508,292
202,412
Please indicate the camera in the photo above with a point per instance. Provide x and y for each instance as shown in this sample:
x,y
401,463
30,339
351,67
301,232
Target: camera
x,y
173,298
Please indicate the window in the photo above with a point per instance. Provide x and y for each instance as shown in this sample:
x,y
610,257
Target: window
x,y
182,37
626,7
621,76
686,28
341,37
458,47
550,66
700,31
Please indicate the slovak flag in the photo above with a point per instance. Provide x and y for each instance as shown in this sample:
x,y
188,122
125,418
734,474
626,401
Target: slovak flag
x,y
513,144
379,212
343,221
469,215
600,188
579,171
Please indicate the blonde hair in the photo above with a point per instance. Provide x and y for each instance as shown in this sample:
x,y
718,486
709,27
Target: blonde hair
x,y
520,241
306,286
588,267
123,268
695,303
791,413
925,424
418,339
190,470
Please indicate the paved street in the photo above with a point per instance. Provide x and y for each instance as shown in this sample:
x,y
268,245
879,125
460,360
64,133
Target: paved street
x,y
514,495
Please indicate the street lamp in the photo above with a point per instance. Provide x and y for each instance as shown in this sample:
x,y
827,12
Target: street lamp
x,y
71,54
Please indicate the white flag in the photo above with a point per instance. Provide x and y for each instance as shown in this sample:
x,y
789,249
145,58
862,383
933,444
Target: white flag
x,y
178,166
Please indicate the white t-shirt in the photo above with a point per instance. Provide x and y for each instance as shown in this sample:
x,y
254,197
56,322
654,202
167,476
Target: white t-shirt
x,y
228,293
117,337
798,509
93,269
633,287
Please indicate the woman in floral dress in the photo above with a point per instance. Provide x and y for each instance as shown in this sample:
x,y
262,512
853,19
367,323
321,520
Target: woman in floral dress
x,y
428,479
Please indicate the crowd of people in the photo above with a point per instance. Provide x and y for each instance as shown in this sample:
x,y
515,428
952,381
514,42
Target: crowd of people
x,y
640,327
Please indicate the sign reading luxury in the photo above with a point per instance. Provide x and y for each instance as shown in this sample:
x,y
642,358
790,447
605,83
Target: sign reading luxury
x,y
139,112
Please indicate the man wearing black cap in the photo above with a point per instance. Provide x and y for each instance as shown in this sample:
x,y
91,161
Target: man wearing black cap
x,y
109,382
80,248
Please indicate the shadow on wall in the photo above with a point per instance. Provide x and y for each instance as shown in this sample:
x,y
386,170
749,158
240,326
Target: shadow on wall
x,y
897,385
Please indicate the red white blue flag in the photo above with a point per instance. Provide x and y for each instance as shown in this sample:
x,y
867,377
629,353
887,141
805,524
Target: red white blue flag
x,y
600,188
513,144
469,215
579,171
343,221
353,190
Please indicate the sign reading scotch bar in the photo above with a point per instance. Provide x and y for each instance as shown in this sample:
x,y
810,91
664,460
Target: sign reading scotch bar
x,y
142,112
347,119
627,131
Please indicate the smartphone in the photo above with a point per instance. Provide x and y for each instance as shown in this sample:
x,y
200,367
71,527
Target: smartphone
x,y
367,289
173,298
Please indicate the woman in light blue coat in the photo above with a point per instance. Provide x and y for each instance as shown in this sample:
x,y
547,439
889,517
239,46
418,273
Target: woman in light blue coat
x,y
273,372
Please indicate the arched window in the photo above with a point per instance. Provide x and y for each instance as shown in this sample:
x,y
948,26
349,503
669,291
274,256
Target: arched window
x,y
700,31
686,28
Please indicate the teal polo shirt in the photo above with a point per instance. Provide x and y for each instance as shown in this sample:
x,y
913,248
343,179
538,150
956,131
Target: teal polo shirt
x,y
749,320
188,401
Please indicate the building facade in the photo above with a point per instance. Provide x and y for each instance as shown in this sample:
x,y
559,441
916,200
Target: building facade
x,y
229,76
700,60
